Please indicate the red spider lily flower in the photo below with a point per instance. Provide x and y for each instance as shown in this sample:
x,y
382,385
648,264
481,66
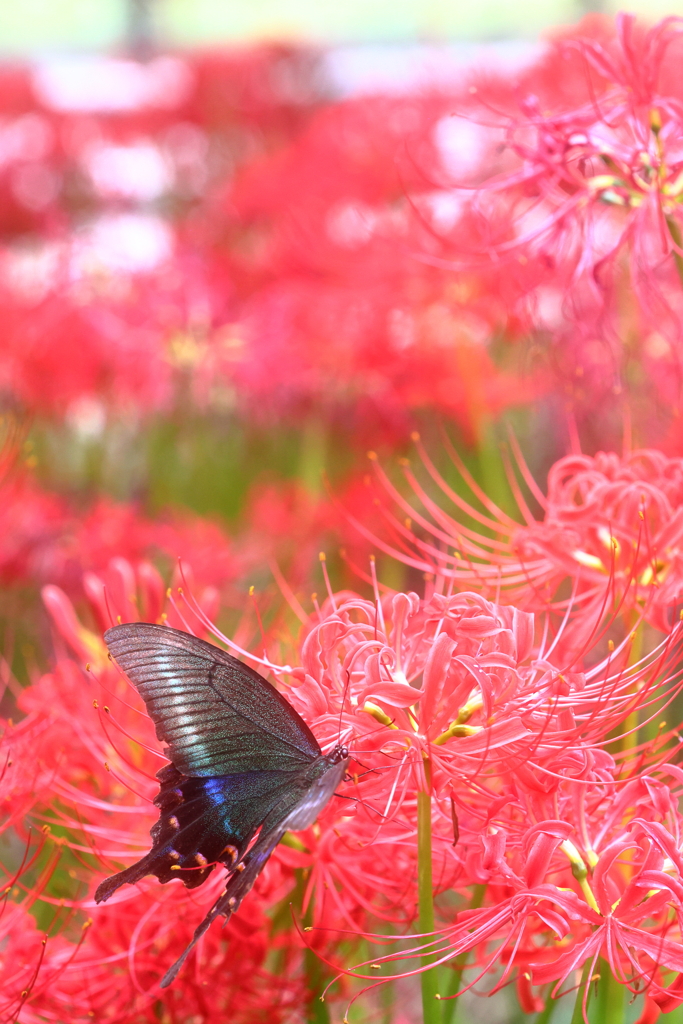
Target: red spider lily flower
x,y
563,893
326,283
463,683
469,709
589,204
31,521
111,971
618,519
610,531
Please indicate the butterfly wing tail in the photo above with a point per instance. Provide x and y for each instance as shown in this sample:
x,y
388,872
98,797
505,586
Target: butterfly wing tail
x,y
239,884
131,875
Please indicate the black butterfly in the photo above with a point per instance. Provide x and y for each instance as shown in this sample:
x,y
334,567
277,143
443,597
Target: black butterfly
x,y
241,760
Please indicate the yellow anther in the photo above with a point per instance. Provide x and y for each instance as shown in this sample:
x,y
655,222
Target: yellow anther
x,y
457,730
380,716
602,181
590,561
653,573
609,540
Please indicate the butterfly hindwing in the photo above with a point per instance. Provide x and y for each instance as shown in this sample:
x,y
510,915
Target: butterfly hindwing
x,y
207,821
217,715
298,809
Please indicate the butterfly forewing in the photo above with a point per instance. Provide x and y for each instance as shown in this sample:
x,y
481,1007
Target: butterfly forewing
x,y
217,716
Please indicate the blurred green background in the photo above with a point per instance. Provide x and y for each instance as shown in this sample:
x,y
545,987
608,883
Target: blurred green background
x,y
48,25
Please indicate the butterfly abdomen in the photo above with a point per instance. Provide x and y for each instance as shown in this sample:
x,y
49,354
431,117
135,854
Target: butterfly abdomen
x,y
323,779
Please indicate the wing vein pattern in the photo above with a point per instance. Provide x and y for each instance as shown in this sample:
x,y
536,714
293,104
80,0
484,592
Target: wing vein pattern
x,y
216,715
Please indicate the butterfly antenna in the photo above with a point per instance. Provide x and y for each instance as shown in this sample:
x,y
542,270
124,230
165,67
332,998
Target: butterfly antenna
x,y
367,770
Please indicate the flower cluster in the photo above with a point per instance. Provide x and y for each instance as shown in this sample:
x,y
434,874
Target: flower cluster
x,y
576,847
608,542
517,745
587,201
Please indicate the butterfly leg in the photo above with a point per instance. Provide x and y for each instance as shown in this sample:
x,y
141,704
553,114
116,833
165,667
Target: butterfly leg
x,y
239,884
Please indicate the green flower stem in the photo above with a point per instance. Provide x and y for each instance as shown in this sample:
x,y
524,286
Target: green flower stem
x,y
610,997
675,232
577,1015
431,1009
547,1011
316,1011
492,473
312,456
450,1007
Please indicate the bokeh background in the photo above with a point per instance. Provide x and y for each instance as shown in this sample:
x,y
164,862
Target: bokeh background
x,y
264,309
76,24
